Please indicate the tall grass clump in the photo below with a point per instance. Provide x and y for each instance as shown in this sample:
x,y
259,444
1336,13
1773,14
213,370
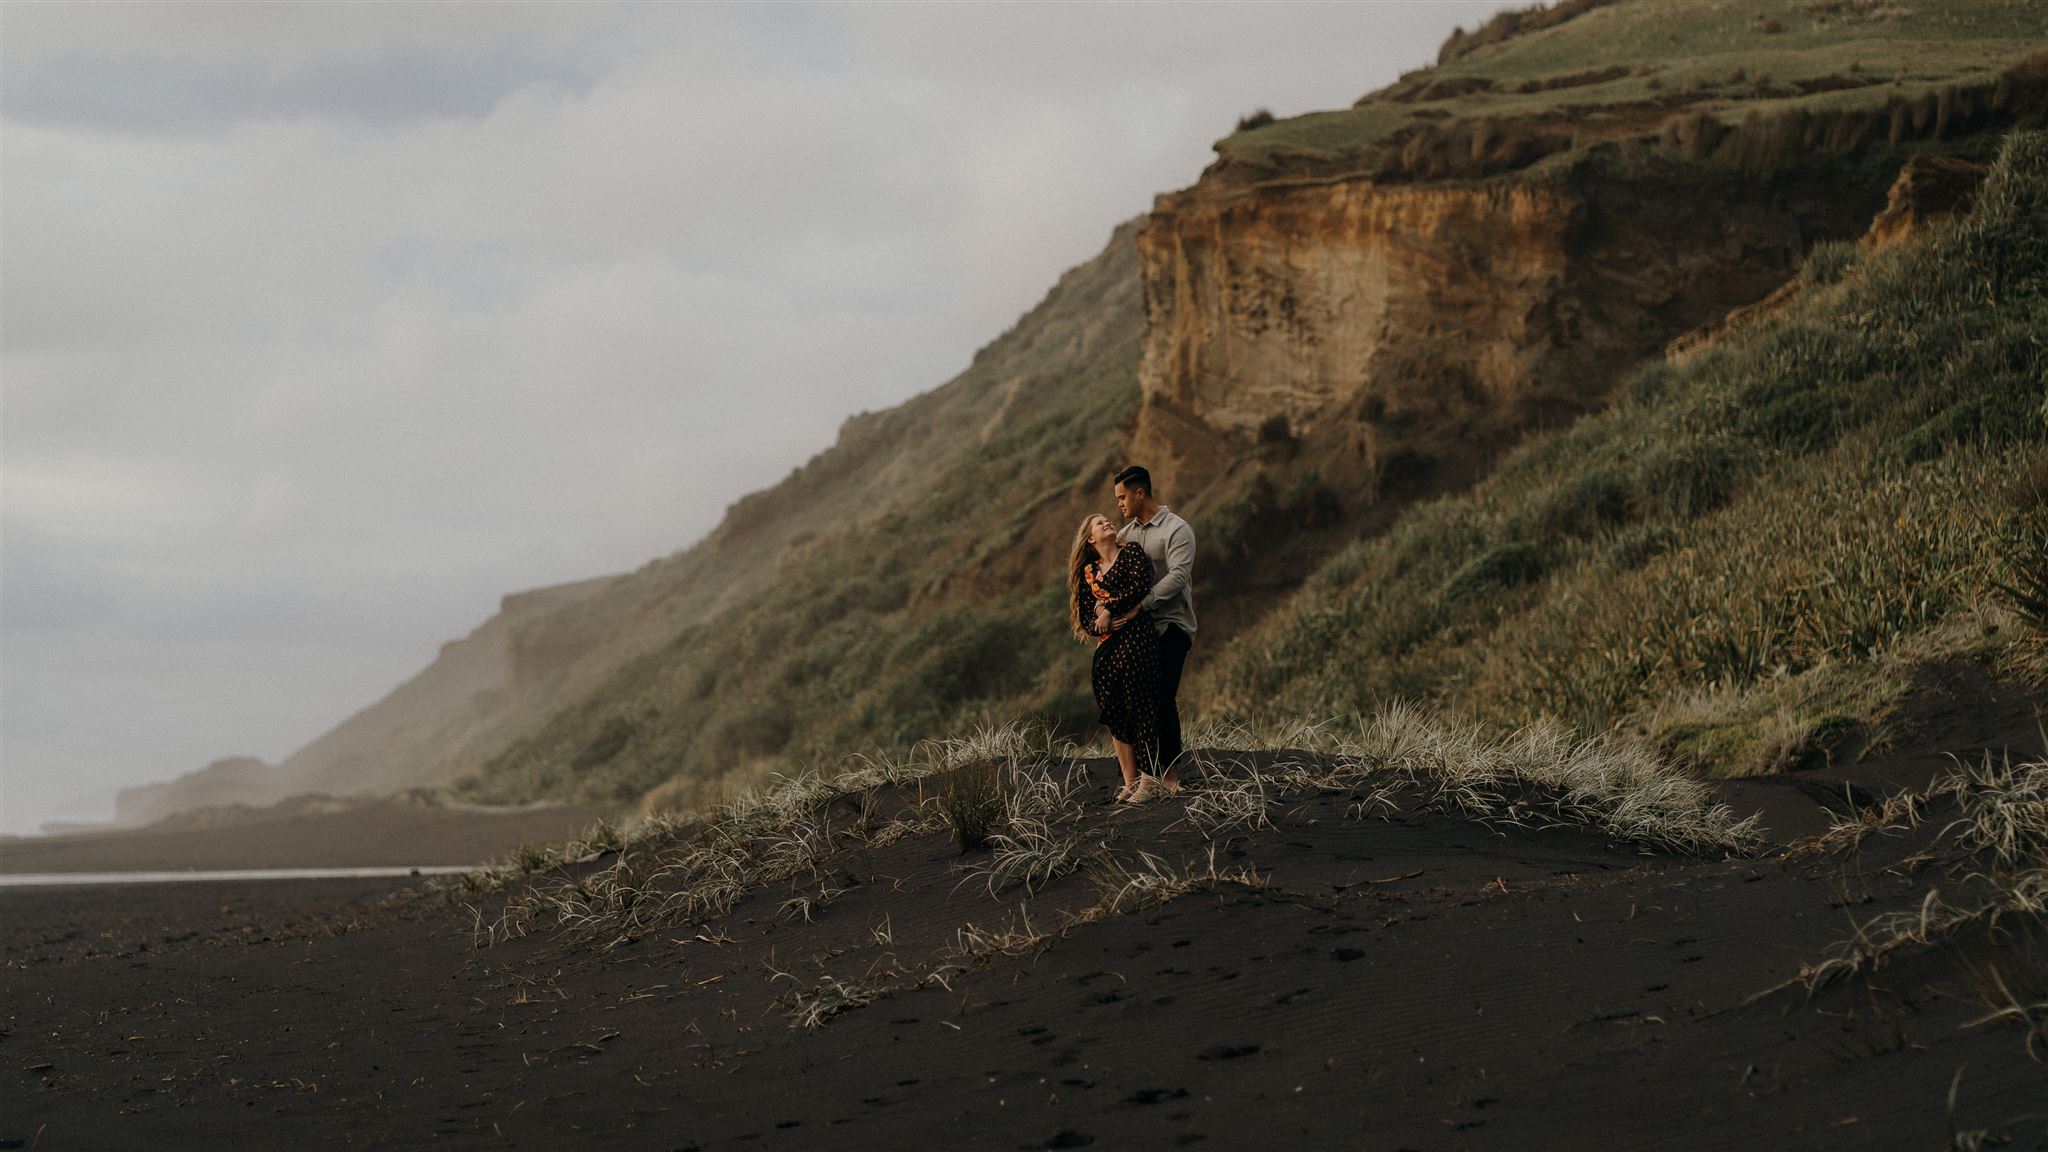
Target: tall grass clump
x,y
1402,756
2024,534
1039,837
971,798
2004,811
1814,492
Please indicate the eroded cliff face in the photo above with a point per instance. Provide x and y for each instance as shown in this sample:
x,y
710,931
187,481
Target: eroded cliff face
x,y
1365,320
1274,308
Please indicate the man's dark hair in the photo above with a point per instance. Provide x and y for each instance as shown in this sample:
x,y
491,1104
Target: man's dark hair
x,y
1135,477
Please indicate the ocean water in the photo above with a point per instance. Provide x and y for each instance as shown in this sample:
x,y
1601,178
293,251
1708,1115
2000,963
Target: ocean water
x,y
49,879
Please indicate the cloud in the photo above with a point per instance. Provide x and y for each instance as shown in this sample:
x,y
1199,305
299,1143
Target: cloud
x,y
323,325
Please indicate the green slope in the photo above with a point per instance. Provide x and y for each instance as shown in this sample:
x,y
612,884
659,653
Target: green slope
x,y
906,582
852,614
1621,71
1743,554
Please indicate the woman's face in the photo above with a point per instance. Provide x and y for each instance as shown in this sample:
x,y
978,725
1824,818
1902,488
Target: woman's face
x,y
1101,532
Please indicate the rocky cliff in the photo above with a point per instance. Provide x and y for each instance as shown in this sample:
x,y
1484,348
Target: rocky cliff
x,y
1487,247
1366,318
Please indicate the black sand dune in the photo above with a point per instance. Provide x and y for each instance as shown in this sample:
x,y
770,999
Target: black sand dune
x,y
1416,982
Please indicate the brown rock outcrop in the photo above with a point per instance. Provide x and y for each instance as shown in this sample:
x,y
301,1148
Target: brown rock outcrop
x,y
1929,189
1349,315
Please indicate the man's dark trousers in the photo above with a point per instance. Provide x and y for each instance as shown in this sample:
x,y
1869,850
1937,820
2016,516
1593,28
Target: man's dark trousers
x,y
1173,657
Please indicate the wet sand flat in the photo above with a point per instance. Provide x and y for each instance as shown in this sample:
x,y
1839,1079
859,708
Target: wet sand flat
x,y
360,834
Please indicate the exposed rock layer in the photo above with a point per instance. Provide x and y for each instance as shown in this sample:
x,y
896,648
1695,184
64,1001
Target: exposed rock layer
x,y
1353,315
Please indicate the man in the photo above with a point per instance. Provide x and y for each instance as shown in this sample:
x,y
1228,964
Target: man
x,y
1170,544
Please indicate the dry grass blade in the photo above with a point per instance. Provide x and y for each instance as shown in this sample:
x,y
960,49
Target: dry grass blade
x,y
1221,801
2004,810
813,1006
972,942
1035,841
1148,880
2007,1006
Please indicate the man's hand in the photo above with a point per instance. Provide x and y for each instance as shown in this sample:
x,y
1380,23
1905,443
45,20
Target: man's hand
x,y
1122,620
1102,622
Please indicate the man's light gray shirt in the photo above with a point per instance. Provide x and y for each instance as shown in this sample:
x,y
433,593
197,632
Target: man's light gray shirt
x,y
1170,544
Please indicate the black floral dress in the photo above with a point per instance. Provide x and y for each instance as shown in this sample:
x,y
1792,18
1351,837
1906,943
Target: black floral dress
x,y
1126,670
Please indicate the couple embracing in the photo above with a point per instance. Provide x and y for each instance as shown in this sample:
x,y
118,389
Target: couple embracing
x,y
1130,591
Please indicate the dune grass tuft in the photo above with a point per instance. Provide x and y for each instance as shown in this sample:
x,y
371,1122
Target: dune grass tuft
x,y
971,799
812,1007
1997,847
1538,773
1038,838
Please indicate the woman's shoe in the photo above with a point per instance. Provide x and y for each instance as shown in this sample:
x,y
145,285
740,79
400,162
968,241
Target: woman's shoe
x,y
1147,789
1123,794
1169,787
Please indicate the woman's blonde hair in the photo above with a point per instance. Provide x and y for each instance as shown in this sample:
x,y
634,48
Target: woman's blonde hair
x,y
1082,555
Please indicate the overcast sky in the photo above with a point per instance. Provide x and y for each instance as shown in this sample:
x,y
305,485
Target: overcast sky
x,y
324,325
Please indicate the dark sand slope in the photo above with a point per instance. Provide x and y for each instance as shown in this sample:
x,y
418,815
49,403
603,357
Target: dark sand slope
x,y
1419,981
1956,713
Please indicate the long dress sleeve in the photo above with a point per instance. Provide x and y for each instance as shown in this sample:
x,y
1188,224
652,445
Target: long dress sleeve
x,y
1131,580
1084,608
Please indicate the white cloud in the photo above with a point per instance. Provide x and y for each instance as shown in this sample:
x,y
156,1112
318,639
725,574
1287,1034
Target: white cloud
x,y
323,325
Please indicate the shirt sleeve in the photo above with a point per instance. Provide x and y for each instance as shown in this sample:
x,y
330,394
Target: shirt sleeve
x,y
1180,566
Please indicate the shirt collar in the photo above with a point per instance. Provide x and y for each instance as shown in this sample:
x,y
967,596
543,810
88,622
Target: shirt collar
x,y
1158,517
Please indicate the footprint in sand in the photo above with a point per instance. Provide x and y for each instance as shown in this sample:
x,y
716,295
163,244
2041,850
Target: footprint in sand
x,y
1155,1095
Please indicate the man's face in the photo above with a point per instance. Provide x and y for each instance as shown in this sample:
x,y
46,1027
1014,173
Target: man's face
x,y
1128,501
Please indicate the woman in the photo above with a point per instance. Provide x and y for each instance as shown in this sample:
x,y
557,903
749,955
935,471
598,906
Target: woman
x,y
1103,572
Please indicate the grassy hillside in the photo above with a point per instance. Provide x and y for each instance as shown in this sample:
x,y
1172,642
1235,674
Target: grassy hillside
x,y
1622,71
1742,556
1659,565
874,618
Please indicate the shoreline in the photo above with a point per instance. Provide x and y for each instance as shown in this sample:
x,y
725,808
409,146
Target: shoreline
x,y
386,834
200,876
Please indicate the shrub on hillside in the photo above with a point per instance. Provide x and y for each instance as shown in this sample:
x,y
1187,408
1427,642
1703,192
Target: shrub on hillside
x,y
1637,546
1584,504
1683,480
1650,382
2025,535
1827,262
965,656
611,739
762,729
1504,566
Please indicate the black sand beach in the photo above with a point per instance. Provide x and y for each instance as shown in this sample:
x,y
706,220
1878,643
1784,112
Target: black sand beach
x,y
1419,981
